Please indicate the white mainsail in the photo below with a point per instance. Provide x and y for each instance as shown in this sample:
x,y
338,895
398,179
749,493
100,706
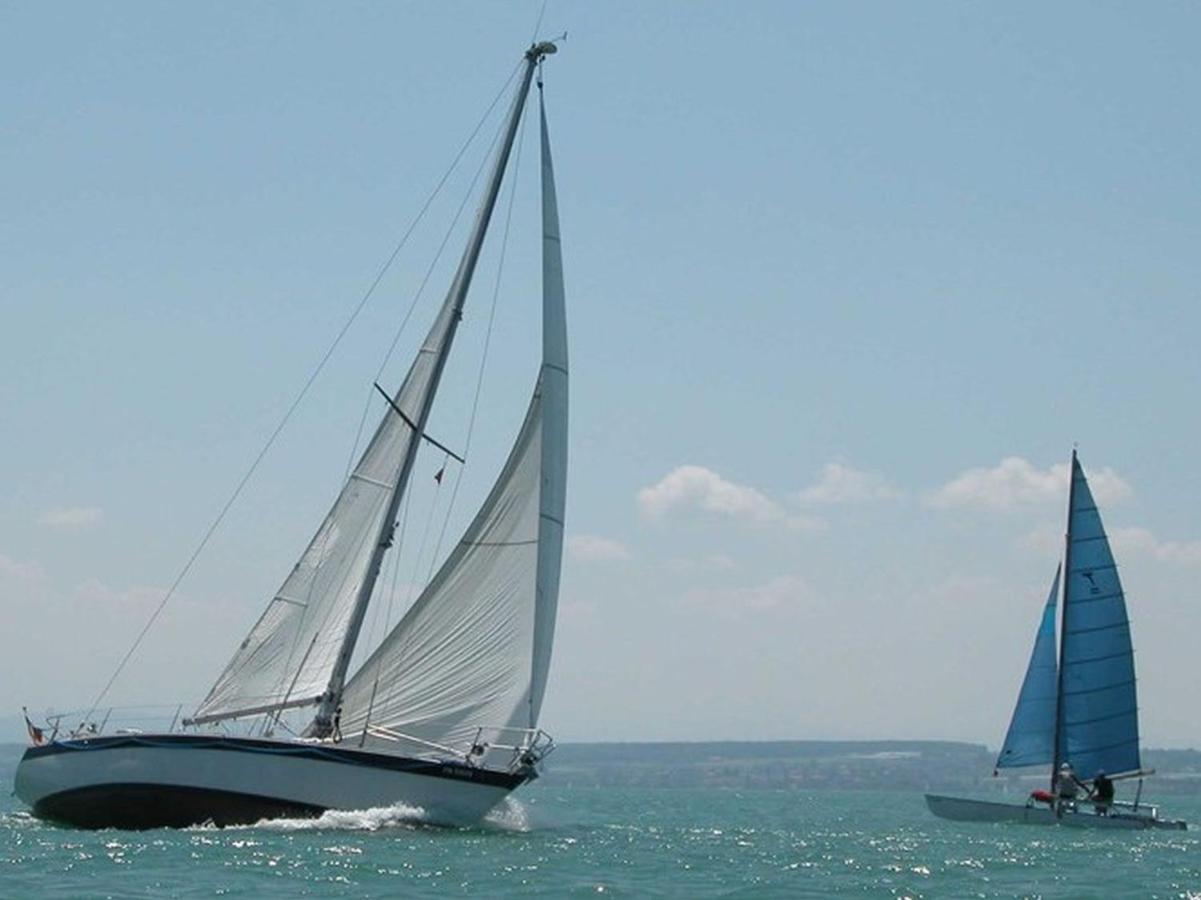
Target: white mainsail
x,y
287,657
474,648
298,652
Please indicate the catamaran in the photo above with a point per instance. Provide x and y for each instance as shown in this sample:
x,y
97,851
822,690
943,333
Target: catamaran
x,y
443,715
1080,710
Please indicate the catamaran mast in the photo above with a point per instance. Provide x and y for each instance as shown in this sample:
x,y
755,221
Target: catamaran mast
x,y
330,701
1057,757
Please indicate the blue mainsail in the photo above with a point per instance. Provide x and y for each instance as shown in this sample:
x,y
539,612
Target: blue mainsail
x,y
1098,706
1031,737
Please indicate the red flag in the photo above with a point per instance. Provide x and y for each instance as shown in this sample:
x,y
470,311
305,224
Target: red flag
x,y
438,475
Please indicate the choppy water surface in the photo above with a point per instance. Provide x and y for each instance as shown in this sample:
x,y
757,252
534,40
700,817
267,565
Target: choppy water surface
x,y
555,842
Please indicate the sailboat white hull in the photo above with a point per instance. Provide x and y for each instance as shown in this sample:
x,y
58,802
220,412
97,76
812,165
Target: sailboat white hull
x,y
150,781
962,809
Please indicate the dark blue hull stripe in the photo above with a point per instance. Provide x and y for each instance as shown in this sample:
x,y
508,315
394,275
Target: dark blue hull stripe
x,y
141,806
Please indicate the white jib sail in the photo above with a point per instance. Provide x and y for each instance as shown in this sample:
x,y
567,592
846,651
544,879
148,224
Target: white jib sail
x,y
287,657
474,649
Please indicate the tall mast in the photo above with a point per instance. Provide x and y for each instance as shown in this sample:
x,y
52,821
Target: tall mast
x,y
323,723
1057,759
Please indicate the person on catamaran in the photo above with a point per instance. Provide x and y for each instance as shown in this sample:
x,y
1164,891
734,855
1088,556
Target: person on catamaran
x,y
1102,793
1067,786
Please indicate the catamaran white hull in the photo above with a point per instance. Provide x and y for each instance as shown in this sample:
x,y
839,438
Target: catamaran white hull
x,y
151,781
961,809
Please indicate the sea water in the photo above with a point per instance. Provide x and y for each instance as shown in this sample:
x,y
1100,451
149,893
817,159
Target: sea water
x,y
556,842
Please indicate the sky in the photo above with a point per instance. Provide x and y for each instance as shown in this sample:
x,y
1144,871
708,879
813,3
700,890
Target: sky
x,y
846,283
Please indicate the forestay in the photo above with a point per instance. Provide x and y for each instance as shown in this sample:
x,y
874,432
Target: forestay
x,y
1097,697
1031,737
474,648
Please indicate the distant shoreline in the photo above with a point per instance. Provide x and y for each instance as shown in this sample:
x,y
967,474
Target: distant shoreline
x,y
801,765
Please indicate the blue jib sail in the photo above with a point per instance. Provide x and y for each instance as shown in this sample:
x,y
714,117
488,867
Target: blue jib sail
x,y
1097,701
1031,737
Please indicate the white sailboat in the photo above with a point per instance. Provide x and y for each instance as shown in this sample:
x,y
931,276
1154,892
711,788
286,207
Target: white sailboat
x,y
1080,709
443,715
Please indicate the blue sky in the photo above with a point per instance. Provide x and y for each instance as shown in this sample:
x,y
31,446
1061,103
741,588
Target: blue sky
x,y
845,284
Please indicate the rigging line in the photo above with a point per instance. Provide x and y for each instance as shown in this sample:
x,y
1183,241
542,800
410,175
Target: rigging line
x,y
410,600
479,381
417,437
404,521
538,24
404,517
425,534
296,402
428,274
399,542
415,591
391,589
374,612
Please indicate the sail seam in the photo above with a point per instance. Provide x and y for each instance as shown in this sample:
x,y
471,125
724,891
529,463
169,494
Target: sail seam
x,y
1097,690
291,600
500,543
1095,659
555,366
1094,568
1125,623
355,476
1097,599
557,521
1125,713
1095,750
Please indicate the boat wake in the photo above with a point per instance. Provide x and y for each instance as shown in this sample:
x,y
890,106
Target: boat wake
x,y
18,819
399,815
509,815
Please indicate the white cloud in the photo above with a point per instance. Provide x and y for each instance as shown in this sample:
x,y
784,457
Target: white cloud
x,y
136,597
72,517
695,487
594,548
19,571
784,592
1044,540
698,487
1125,542
1141,540
715,562
1016,482
839,483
